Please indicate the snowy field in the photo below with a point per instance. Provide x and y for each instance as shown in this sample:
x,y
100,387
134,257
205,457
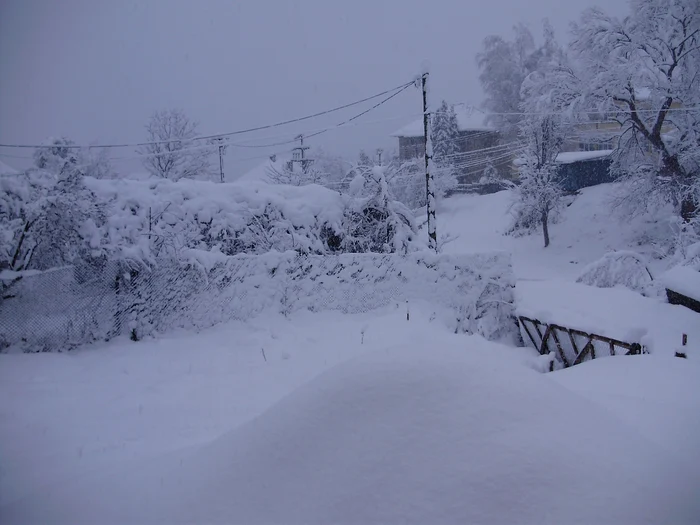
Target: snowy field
x,y
363,418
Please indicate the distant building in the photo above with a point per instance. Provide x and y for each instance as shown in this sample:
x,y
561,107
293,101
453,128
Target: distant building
x,y
474,136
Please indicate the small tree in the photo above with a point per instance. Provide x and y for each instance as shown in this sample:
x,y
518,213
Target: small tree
x,y
48,217
490,174
445,134
374,221
171,152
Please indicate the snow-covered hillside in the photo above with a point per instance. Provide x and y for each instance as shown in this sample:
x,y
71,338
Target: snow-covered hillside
x,y
587,229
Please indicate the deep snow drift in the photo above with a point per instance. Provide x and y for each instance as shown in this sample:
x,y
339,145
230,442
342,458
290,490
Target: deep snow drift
x,y
414,433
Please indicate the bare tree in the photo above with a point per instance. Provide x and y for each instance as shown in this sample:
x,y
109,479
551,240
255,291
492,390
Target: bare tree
x,y
171,152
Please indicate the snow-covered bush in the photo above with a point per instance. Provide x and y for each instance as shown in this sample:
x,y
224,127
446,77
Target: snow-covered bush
x,y
48,219
58,309
407,181
623,268
375,223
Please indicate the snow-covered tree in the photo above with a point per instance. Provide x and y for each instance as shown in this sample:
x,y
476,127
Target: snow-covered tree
x,y
95,163
445,134
374,221
363,159
294,174
644,72
539,194
55,153
49,218
504,66
171,152
490,173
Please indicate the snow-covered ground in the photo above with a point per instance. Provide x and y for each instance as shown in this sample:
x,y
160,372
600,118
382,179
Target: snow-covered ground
x,y
363,418
586,231
415,425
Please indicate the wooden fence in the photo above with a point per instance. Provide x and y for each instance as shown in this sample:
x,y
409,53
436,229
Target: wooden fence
x,y
571,346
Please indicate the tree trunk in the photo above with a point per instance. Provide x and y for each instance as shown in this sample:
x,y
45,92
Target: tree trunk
x,y
545,227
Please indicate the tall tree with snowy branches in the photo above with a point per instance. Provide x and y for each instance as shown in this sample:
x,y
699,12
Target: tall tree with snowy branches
x,y
171,152
644,72
445,133
504,65
543,131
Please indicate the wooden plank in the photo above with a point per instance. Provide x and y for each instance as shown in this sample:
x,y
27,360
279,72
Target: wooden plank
x,y
545,346
573,342
561,350
582,355
524,321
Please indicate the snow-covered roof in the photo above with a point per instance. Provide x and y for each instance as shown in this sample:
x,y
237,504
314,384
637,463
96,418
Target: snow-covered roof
x,y
7,170
568,157
468,119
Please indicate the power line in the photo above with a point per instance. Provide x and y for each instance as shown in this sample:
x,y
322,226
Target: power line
x,y
387,99
544,113
218,135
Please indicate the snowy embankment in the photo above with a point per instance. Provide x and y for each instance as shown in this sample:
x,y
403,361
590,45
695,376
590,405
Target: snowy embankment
x,y
436,428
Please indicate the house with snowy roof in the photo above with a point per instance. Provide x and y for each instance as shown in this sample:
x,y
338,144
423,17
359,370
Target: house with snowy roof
x,y
476,138
474,134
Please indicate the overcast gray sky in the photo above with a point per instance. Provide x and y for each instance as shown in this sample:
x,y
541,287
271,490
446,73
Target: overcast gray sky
x,y
94,70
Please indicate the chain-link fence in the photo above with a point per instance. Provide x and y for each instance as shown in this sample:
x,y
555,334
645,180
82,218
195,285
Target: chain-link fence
x,y
59,309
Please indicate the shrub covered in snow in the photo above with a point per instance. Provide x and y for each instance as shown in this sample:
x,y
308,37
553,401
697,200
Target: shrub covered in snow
x,y
58,309
50,219
621,268
376,223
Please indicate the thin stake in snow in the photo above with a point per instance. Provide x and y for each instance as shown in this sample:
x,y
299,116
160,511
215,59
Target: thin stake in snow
x,y
263,354
429,178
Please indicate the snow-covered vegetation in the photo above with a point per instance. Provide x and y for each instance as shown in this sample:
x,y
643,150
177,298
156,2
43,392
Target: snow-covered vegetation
x,y
301,345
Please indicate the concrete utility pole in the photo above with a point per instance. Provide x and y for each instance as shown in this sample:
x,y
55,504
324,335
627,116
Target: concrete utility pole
x,y
221,162
219,141
429,178
302,153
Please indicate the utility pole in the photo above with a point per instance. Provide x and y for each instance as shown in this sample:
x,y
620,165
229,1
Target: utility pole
x,y
219,141
221,162
429,178
302,151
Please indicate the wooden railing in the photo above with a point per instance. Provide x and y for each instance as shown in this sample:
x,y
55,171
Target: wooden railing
x,y
574,346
